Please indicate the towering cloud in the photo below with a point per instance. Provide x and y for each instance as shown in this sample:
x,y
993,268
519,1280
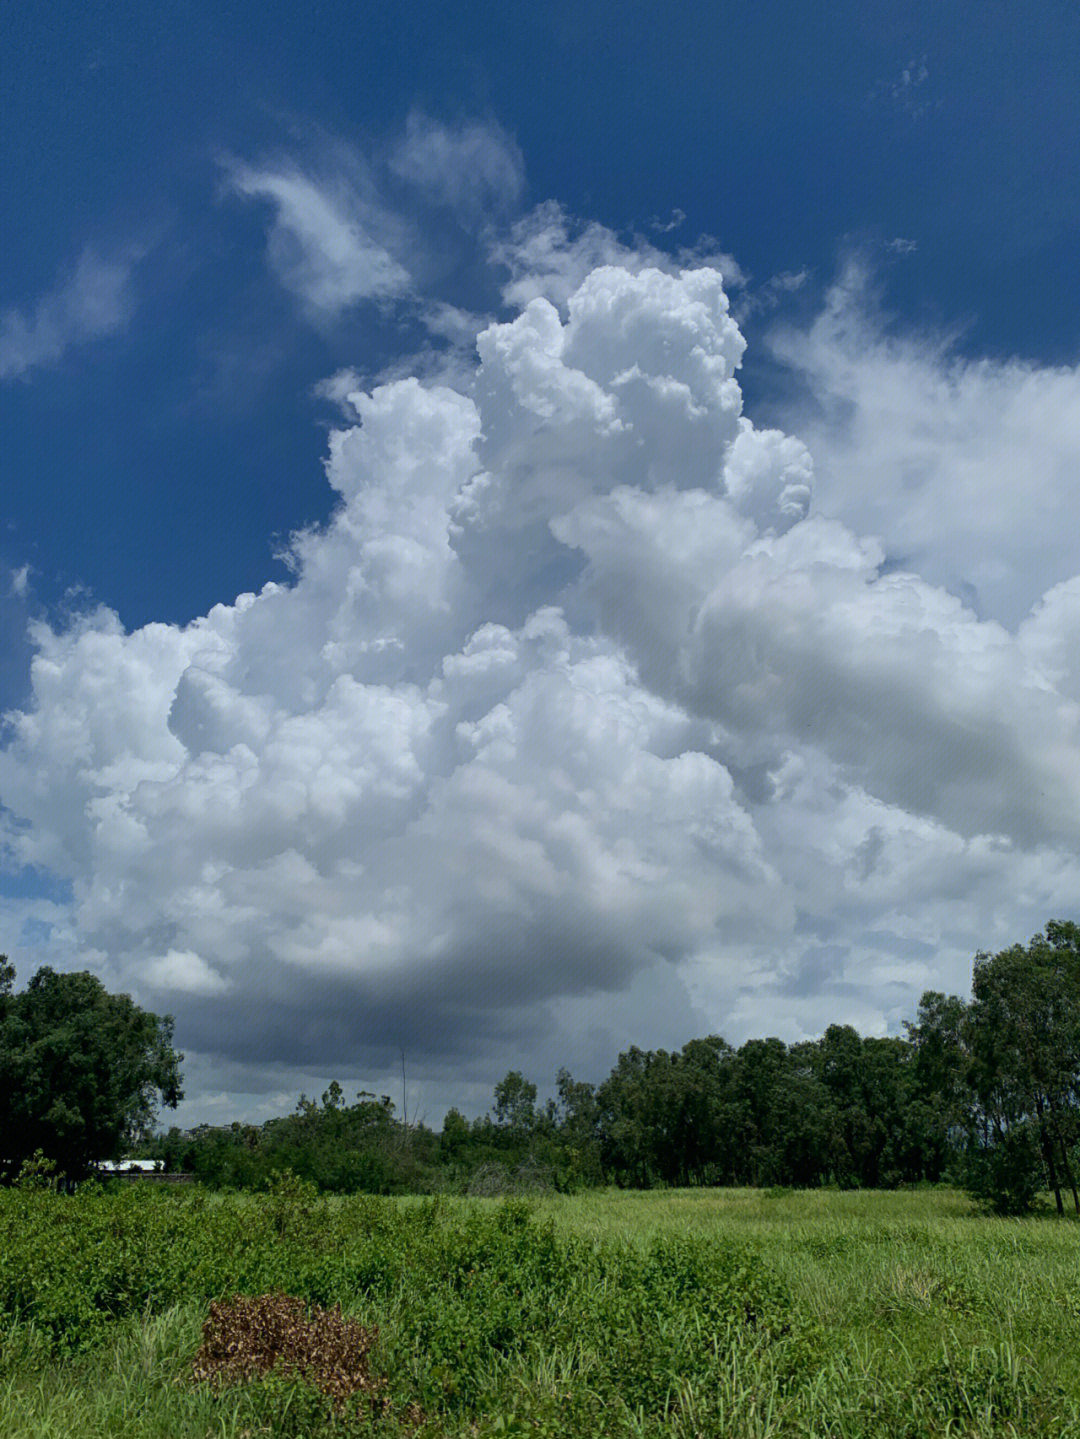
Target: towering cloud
x,y
575,697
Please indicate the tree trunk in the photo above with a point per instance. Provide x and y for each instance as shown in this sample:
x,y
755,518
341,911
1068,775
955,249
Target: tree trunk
x,y
1048,1156
1069,1174
1066,1166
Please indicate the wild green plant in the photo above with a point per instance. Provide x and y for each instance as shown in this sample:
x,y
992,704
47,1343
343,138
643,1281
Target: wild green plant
x,y
693,1314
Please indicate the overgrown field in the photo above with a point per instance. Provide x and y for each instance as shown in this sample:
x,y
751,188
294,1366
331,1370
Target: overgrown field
x,y
716,1313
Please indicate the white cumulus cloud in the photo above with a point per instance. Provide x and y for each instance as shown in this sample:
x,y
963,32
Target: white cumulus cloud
x,y
966,469
586,719
549,254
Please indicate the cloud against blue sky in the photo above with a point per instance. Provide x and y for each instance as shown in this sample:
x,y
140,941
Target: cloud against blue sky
x,y
321,243
92,301
671,628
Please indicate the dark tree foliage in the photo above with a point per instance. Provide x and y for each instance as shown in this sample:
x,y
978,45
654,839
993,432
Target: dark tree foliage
x,y
339,1147
843,1110
82,1071
938,1110
1021,1036
7,982
515,1102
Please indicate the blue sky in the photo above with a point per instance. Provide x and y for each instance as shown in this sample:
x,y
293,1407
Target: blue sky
x,y
219,221
145,469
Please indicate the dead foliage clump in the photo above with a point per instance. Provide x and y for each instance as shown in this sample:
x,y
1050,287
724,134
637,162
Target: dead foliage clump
x,y
258,1334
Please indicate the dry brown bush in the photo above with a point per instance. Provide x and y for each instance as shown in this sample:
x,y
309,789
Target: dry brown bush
x,y
254,1335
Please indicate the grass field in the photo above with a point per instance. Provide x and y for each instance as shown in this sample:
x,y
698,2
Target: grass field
x,y
715,1313
900,1283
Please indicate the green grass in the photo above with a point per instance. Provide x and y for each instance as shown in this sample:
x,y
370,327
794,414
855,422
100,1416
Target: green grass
x,y
899,1281
735,1313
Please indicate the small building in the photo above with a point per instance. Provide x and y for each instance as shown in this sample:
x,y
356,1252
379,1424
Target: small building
x,y
130,1167
139,1171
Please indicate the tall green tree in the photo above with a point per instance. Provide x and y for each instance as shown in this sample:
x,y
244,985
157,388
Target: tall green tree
x,y
1023,1037
940,1102
7,981
515,1103
82,1071
626,1121
669,1117
762,1095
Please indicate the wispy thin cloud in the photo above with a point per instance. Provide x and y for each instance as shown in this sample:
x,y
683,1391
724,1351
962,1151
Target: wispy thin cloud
x,y
94,300
770,295
664,227
474,169
325,241
908,91
351,225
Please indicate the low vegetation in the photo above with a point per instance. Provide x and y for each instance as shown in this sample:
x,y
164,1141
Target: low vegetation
x,y
799,1267
612,1313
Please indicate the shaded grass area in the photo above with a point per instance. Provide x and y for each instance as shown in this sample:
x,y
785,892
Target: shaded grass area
x,y
711,1313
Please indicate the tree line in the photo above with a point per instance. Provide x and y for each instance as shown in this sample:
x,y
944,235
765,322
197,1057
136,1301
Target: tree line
x,y
984,1093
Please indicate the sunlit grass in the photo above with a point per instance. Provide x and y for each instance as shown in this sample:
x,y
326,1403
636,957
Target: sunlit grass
x,y
921,1266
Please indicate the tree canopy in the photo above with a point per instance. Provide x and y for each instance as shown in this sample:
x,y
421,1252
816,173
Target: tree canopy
x,y
82,1071
1021,1035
